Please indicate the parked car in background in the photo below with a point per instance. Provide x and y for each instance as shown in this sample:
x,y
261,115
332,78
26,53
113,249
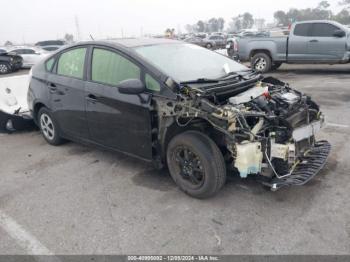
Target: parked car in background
x,y
201,35
30,56
232,48
219,40
14,112
207,43
51,45
200,113
10,62
232,41
310,42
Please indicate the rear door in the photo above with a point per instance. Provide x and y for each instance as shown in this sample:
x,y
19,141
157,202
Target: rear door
x,y
115,120
30,57
67,92
323,46
299,42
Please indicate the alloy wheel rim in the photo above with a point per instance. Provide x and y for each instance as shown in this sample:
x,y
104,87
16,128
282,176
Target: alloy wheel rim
x,y
47,126
3,68
260,64
190,165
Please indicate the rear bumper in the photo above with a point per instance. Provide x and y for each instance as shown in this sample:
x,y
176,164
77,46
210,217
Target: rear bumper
x,y
19,122
309,166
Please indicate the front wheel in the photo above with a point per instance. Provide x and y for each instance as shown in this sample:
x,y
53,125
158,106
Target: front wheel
x,y
48,127
4,68
209,46
261,63
196,164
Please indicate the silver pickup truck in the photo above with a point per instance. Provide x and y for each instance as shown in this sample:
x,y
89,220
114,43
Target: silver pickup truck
x,y
310,42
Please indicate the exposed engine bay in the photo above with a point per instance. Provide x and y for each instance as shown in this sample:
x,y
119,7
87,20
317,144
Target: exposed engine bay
x,y
266,128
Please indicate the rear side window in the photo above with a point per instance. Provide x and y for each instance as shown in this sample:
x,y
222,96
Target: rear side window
x,y
29,51
323,30
302,29
18,51
111,68
71,63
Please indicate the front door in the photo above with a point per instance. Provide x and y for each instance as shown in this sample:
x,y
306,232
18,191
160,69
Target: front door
x,y
115,120
324,46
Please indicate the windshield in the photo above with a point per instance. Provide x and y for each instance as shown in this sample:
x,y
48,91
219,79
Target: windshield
x,y
186,62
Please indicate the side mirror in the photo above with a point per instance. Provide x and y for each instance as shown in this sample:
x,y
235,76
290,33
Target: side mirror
x,y
131,87
339,33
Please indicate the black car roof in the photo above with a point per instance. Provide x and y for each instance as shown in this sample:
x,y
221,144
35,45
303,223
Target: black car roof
x,y
133,42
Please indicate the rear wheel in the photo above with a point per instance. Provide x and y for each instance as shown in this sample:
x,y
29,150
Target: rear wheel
x,y
4,68
196,164
261,62
3,124
48,127
209,46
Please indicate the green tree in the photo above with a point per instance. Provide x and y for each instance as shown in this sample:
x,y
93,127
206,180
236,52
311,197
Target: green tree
x,y
282,18
8,43
200,26
343,17
69,38
213,25
247,20
221,23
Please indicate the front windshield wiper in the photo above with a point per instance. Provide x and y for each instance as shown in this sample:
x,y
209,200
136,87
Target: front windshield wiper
x,y
236,74
200,81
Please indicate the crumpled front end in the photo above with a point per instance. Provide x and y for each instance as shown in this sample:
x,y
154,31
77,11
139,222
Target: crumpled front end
x,y
274,135
269,129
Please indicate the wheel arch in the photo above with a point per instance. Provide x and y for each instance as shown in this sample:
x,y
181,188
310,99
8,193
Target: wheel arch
x,y
257,51
37,106
198,124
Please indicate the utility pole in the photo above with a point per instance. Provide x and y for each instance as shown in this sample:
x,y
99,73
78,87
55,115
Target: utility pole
x,y
77,28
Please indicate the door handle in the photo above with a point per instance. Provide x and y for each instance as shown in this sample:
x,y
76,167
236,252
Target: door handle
x,y
92,97
52,87
314,41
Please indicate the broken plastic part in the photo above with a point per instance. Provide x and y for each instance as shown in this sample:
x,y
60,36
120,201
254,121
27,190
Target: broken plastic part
x,y
248,158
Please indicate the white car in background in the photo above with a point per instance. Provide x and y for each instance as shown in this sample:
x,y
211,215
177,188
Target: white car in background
x,y
30,55
14,112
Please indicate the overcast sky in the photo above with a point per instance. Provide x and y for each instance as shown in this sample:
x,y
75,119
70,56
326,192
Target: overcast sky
x,y
34,20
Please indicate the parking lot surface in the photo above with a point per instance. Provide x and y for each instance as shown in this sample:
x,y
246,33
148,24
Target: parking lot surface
x,y
74,199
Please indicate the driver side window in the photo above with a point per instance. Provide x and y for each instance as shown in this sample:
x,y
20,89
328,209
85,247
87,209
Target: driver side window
x,y
110,68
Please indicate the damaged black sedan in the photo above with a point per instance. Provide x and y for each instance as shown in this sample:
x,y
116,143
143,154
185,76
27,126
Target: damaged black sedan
x,y
182,106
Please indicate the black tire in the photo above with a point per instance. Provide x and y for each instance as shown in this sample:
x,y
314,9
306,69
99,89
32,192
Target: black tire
x,y
209,46
276,65
4,68
261,63
204,157
3,124
49,127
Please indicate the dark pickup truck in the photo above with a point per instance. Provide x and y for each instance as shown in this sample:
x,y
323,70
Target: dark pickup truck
x,y
9,63
310,42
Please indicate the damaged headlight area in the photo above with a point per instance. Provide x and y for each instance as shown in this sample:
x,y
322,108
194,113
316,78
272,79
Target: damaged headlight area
x,y
268,128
